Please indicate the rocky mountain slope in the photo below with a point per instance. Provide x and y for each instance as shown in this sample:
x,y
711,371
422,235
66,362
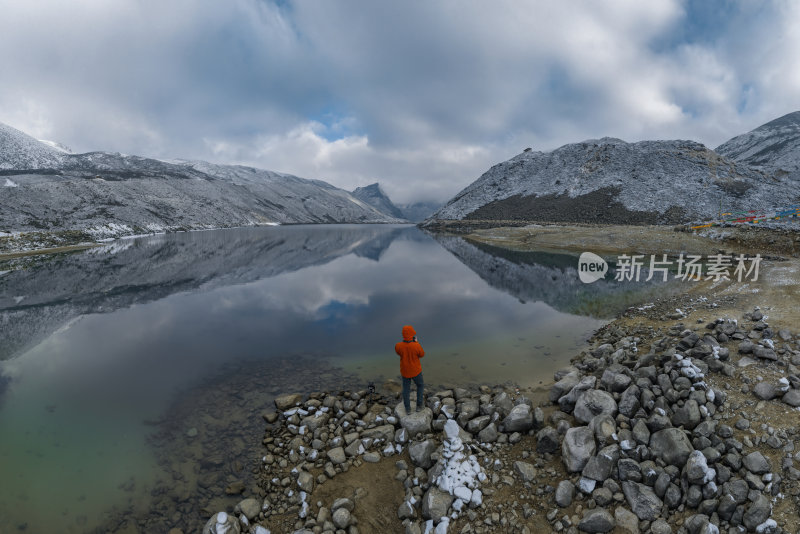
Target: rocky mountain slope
x,y
374,195
774,146
44,188
650,182
21,151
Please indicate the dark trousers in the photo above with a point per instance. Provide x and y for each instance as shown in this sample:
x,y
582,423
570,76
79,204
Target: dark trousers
x,y
407,391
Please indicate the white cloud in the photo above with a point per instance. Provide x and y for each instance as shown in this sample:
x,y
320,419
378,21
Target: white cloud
x,y
350,162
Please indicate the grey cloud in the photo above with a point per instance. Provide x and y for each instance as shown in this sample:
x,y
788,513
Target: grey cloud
x,y
422,96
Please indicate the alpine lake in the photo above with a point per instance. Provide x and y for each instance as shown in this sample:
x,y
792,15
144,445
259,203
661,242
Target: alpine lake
x,y
133,375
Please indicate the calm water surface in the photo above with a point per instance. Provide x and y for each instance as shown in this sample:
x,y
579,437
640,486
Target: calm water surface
x,y
101,350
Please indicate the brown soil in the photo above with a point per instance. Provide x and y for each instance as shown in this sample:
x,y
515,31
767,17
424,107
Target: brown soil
x,y
373,489
376,508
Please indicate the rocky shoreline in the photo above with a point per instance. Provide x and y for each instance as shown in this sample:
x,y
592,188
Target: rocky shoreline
x,y
680,425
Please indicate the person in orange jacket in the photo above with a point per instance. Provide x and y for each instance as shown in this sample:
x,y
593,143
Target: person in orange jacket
x,y
410,351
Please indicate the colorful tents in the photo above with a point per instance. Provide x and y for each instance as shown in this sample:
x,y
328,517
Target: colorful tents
x,y
753,216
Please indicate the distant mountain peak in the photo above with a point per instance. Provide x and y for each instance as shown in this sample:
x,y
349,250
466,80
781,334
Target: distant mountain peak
x,y
375,185
374,196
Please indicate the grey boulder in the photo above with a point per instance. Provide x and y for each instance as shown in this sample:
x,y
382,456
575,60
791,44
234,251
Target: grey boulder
x,y
435,504
563,386
642,500
420,453
576,449
337,455
488,434
756,463
597,520
594,402
792,397
520,419
525,470
547,440
417,422
671,445
564,493
758,512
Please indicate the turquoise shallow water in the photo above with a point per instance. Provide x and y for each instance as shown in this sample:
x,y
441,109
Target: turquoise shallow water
x,y
98,346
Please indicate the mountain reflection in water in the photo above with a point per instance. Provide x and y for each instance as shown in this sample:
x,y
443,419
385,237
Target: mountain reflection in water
x,y
539,276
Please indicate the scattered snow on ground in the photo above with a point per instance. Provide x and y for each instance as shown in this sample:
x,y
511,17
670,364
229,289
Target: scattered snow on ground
x,y
11,183
767,526
462,475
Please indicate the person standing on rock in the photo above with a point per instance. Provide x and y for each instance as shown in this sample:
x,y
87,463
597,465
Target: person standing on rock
x,y
410,351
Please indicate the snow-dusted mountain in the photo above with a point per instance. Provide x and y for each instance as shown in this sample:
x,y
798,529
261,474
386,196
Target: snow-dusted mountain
x,y
21,151
113,194
375,196
610,181
774,146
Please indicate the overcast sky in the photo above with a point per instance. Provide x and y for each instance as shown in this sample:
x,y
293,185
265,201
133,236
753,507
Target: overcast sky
x,y
422,96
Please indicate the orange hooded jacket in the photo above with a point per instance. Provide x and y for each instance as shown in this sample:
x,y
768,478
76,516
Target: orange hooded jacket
x,y
410,352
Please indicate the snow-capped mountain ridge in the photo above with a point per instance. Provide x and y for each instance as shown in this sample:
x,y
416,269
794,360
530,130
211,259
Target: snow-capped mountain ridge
x,y
116,194
608,180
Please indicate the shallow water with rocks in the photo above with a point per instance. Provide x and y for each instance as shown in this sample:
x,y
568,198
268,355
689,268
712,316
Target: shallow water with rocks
x,y
133,375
